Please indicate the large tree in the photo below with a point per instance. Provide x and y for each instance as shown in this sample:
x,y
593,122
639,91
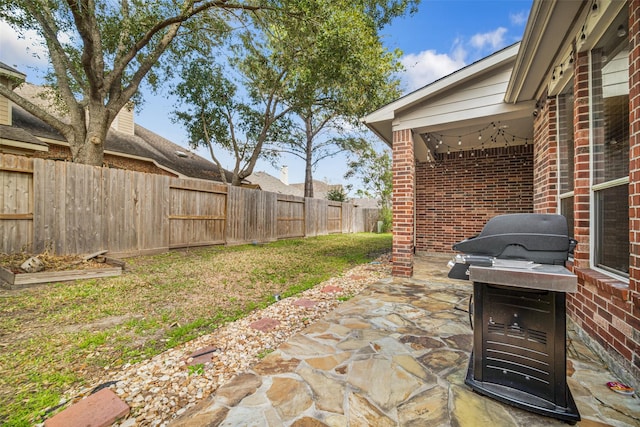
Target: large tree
x,y
339,70
223,116
373,169
100,51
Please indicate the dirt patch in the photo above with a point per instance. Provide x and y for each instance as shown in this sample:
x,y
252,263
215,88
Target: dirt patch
x,y
12,262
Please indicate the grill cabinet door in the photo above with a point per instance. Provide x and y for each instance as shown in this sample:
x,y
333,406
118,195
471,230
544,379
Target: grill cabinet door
x,y
518,340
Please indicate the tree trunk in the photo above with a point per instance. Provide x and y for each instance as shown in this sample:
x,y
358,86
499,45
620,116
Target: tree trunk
x,y
88,147
308,176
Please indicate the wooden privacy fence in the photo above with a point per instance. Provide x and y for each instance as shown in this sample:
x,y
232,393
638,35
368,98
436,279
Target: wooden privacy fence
x,y
67,208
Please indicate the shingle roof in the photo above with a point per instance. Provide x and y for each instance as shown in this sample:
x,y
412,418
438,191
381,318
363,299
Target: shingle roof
x,y
320,188
144,143
271,183
7,70
20,135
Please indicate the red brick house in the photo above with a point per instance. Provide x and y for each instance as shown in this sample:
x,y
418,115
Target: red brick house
x,y
549,125
127,146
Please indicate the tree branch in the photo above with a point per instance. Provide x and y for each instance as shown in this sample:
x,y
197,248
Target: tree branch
x,y
61,66
174,23
92,58
65,129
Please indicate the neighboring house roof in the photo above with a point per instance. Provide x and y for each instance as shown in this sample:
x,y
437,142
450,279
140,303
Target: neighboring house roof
x,y
365,203
20,138
143,144
174,156
458,106
320,188
12,72
270,183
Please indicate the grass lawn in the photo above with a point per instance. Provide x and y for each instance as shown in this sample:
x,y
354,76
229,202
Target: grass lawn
x,y
56,336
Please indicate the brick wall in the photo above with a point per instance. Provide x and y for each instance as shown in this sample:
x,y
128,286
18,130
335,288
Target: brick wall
x,y
545,181
634,148
456,197
403,202
581,199
608,310
63,153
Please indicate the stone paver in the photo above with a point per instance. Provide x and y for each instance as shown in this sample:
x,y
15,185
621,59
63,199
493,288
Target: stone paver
x,y
304,302
265,324
396,355
100,409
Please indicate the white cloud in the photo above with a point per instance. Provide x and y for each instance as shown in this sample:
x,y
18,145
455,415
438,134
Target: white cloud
x,y
428,66
24,53
493,39
519,18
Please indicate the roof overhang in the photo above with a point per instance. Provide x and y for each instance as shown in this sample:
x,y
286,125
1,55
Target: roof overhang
x,y
401,114
556,29
14,76
385,120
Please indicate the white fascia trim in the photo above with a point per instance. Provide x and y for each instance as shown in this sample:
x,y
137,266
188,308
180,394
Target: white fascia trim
x,y
23,145
119,154
145,159
16,75
537,23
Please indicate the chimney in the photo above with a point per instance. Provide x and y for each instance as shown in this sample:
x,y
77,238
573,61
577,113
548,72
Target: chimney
x,y
284,175
124,120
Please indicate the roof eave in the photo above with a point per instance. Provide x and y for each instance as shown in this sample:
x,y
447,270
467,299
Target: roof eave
x,y
547,19
381,120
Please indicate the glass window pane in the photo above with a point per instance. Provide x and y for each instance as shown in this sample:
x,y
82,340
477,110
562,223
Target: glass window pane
x,y
566,209
612,222
610,103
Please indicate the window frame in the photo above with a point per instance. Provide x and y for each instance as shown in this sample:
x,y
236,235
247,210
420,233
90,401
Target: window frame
x,y
571,157
594,188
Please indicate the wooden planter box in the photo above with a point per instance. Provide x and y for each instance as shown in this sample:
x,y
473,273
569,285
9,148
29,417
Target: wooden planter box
x,y
11,280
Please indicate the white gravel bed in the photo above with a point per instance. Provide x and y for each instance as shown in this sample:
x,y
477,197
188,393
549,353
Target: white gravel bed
x,y
164,387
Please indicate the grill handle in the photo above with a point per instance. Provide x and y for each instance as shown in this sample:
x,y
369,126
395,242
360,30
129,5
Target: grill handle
x,y
470,311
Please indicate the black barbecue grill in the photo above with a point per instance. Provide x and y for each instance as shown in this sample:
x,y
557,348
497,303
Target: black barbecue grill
x,y
519,284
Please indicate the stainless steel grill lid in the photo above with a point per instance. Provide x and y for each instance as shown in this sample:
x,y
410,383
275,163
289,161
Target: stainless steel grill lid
x,y
541,238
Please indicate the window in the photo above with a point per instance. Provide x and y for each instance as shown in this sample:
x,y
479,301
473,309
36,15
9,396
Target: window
x,y
610,153
566,152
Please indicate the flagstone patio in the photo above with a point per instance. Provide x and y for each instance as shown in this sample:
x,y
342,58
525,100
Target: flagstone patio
x,y
395,355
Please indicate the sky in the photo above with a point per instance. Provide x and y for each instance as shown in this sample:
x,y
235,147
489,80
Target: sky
x,y
442,37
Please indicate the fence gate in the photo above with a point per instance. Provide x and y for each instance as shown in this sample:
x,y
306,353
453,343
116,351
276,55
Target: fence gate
x,y
334,218
197,214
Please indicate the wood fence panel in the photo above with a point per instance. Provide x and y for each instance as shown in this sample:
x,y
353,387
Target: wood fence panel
x,y
16,203
59,189
89,214
358,220
334,217
68,208
370,217
316,217
267,229
197,213
291,217
118,221
348,212
154,213
251,216
44,207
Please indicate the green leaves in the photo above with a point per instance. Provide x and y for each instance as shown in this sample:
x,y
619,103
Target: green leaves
x,y
374,171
